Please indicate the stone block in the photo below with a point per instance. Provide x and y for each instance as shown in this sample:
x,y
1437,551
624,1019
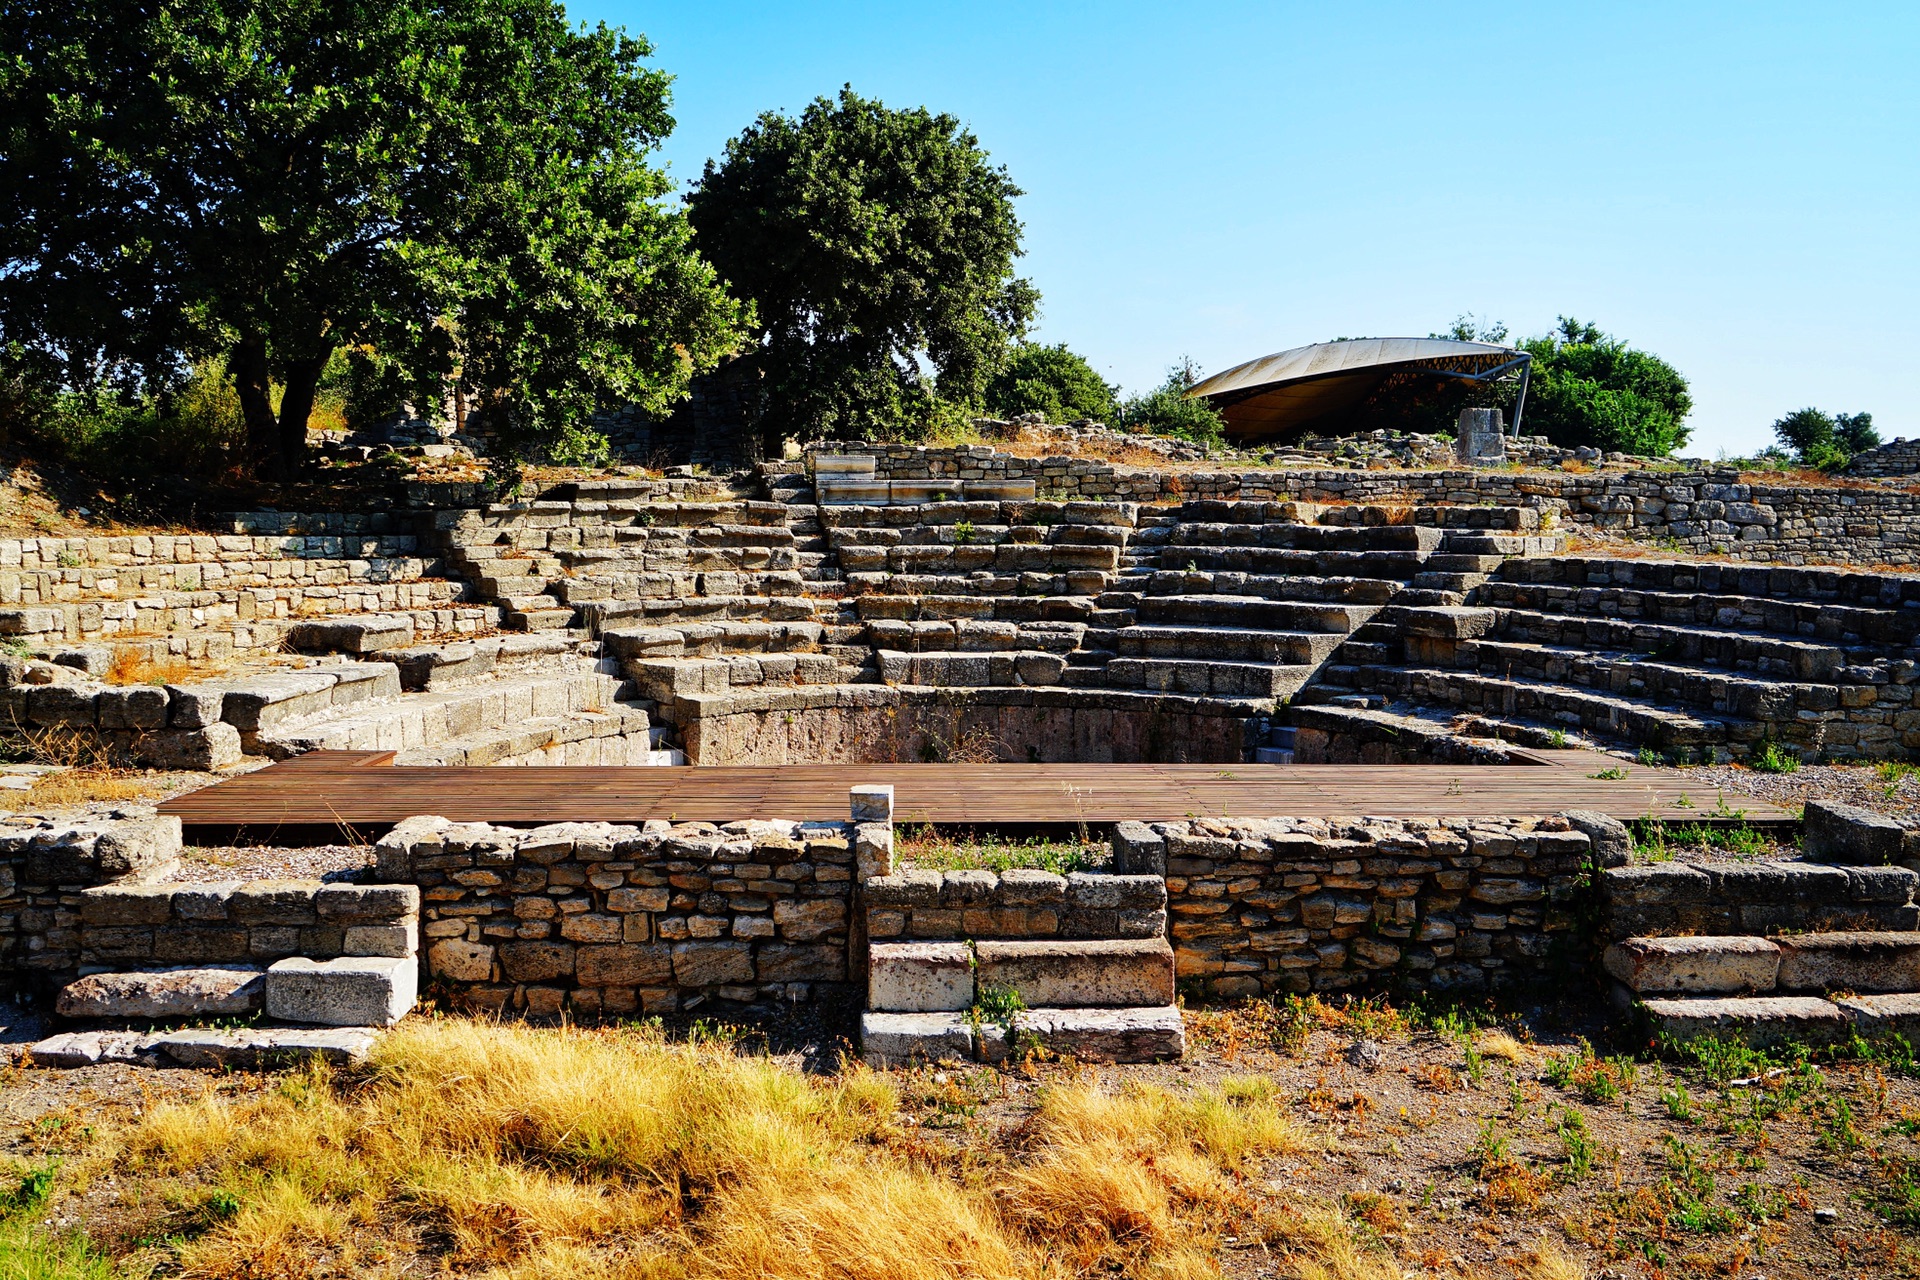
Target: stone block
x,y
274,902
808,919
919,977
214,747
381,939
226,991
536,961
368,633
1698,966
871,803
1611,843
1849,962
366,903
712,964
124,905
457,960
1096,1035
1755,1020
1026,887
352,991
1092,974
1845,834
1884,1016
872,850
816,962
897,1039
258,1048
626,965
1138,849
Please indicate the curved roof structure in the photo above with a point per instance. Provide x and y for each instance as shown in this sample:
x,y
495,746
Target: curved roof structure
x,y
1323,385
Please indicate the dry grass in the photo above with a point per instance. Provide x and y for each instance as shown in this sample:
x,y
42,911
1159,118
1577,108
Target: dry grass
x,y
540,1153
132,665
86,786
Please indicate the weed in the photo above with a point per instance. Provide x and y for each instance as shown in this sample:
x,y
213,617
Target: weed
x,y
1557,739
1678,1102
1613,774
963,532
1577,1141
1595,1079
1649,757
1691,1188
1770,757
131,665
930,850
1759,1204
1893,773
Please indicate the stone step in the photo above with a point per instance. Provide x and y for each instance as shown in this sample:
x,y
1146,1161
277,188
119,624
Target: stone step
x,y
1763,1021
1612,716
1253,614
1838,624
1724,693
1811,583
1091,1035
1207,679
352,991
539,620
602,616
1115,974
664,679
1336,734
247,1048
1804,962
1331,590
1430,580
1782,656
428,719
1227,644
711,639
444,666
1756,898
1394,565
181,992
970,670
1307,537
935,607
1505,544
620,735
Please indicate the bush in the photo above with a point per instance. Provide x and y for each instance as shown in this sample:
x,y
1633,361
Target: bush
x,y
1591,389
1052,381
1166,410
127,438
1828,441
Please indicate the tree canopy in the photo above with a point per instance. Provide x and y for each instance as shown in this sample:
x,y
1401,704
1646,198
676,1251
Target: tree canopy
x,y
1592,389
877,248
462,185
1167,411
1052,381
1821,439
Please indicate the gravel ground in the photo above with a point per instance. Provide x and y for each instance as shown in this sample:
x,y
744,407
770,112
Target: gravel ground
x,y
264,862
1862,785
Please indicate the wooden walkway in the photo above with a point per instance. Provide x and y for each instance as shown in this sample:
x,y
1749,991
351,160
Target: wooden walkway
x,y
364,792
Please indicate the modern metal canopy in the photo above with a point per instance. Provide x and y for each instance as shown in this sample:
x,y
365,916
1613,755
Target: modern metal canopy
x,y
1324,384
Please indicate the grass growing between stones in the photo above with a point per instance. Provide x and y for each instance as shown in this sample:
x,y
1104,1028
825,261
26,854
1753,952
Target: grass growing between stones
x,y
516,1152
932,850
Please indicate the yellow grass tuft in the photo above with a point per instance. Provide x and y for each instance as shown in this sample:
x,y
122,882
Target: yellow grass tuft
x,y
1500,1044
132,665
529,1154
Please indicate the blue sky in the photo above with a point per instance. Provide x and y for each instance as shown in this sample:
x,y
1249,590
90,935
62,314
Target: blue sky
x,y
1735,187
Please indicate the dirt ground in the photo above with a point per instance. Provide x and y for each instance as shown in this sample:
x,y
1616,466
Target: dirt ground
x,y
1455,1143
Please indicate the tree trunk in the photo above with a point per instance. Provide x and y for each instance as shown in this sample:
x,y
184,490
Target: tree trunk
x,y
255,386
296,405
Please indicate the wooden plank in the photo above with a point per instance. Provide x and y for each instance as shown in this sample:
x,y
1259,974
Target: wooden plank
x,y
327,788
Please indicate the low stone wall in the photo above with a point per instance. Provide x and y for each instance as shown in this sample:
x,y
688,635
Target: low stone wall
x,y
599,919
143,926
46,870
946,906
869,724
1894,458
1696,511
1759,898
1302,904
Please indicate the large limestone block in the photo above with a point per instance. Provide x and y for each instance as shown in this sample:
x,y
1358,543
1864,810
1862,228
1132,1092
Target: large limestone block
x,y
1070,975
368,633
352,991
1697,966
1851,836
894,1039
222,991
1094,1035
263,1047
1884,1015
919,977
1755,1020
1850,962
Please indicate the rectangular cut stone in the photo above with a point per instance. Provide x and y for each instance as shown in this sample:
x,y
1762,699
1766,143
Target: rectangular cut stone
x,y
1096,1035
895,1039
1851,836
1755,1020
263,1047
170,993
1697,966
1896,1014
1850,962
1102,974
353,991
872,803
919,977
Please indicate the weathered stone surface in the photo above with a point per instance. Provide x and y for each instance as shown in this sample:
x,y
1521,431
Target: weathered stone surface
x,y
257,1048
169,993
919,977
353,991
366,633
1611,843
814,962
712,964
1138,849
871,803
1699,966
213,747
84,1048
896,1039
1850,835
1104,974
1884,1015
457,960
1754,1020
1095,1035
1849,962
536,961
629,965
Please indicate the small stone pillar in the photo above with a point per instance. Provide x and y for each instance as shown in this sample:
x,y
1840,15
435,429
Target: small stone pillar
x,y
871,808
1479,439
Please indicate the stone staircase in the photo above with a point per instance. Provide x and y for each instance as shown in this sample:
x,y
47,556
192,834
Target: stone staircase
x,y
1766,952
1698,661
970,965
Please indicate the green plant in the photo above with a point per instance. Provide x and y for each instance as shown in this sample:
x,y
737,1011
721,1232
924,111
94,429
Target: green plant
x,y
1167,410
1592,389
1649,757
1594,1078
1770,757
1557,739
1678,1103
963,531
1054,382
1691,1187
1613,774
1893,773
1576,1140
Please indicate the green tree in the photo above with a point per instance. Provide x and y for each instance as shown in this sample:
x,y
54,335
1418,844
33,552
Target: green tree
x,y
1052,381
1591,389
877,248
1168,411
1820,439
460,184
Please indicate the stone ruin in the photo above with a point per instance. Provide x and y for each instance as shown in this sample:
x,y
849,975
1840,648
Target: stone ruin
x,y
871,603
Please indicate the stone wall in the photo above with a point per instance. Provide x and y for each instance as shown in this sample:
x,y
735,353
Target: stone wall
x,y
944,906
1899,457
1259,907
46,870
144,926
1715,512
599,919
